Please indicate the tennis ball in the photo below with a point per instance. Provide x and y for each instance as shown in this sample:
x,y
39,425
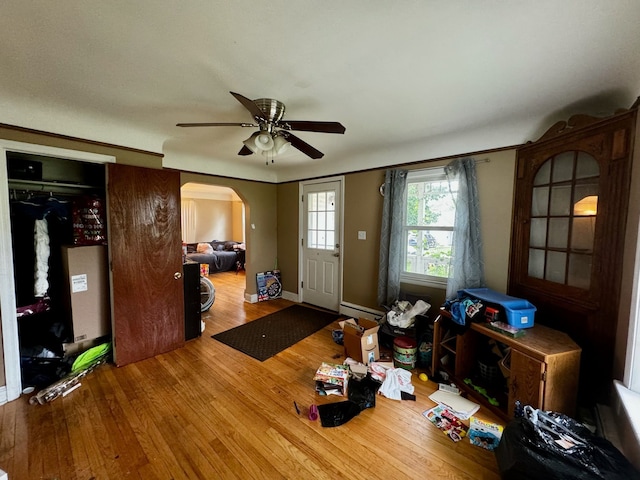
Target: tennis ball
x,y
423,377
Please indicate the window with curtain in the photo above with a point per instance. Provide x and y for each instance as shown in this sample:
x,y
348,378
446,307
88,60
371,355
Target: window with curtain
x,y
429,214
188,220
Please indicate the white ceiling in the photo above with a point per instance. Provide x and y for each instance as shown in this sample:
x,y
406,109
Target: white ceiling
x,y
409,80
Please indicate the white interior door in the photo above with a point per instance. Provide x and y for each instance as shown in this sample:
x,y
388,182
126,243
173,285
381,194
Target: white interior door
x,y
321,242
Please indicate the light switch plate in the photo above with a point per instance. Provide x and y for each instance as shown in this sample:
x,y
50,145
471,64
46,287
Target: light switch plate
x,y
362,235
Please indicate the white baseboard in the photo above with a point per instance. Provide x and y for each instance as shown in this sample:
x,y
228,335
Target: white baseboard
x,y
253,297
291,296
626,409
348,309
358,311
3,400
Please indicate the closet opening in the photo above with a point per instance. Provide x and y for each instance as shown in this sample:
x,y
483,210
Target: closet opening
x,y
57,211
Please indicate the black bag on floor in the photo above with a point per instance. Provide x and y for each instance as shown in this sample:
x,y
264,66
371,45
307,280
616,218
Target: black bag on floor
x,y
548,445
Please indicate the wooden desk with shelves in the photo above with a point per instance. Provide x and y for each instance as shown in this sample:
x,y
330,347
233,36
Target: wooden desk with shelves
x,y
544,369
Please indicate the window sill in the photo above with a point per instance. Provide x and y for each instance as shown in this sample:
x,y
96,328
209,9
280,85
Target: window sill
x,y
627,411
421,280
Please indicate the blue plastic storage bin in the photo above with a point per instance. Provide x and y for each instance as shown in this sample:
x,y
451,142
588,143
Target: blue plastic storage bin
x,y
520,313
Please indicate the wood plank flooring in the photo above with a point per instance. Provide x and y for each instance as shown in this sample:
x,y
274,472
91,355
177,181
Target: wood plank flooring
x,y
206,411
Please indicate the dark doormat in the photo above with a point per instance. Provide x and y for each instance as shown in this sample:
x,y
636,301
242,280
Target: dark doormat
x,y
264,337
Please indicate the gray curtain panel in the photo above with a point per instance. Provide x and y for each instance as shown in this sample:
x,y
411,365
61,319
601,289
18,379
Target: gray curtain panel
x,y
391,237
467,265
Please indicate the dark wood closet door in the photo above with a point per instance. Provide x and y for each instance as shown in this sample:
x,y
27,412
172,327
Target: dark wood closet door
x,y
146,262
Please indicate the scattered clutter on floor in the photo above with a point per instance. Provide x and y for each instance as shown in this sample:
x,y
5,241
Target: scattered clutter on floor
x,y
332,379
83,364
360,339
402,314
460,406
336,414
445,420
484,434
521,447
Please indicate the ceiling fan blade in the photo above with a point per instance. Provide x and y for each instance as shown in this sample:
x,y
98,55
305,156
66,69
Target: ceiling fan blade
x,y
216,124
249,105
303,146
324,127
245,151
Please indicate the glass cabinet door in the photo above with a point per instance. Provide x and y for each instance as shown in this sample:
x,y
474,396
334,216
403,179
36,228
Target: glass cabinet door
x,y
564,207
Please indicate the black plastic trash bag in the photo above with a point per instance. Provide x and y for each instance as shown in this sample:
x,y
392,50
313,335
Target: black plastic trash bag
x,y
339,413
550,446
363,392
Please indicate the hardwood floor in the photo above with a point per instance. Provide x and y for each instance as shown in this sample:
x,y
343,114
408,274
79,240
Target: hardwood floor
x,y
206,411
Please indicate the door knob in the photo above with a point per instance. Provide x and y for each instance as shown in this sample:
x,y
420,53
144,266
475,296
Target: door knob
x,y
336,254
177,275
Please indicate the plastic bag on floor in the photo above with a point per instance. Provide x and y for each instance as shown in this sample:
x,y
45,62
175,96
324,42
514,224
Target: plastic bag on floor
x,y
549,445
339,413
403,315
363,392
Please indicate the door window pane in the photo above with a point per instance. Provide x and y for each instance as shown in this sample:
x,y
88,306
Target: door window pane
x,y
322,239
330,239
321,220
331,201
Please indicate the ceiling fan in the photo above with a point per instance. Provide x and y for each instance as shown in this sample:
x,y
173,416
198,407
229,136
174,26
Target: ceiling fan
x,y
274,134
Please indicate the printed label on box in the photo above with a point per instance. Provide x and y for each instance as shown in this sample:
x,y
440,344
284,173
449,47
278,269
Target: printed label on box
x,y
370,340
79,283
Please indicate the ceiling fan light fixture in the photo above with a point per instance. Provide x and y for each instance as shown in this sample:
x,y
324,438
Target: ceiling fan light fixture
x,y
264,141
250,143
280,144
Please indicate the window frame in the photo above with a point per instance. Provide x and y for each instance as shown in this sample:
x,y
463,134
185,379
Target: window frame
x,y
431,174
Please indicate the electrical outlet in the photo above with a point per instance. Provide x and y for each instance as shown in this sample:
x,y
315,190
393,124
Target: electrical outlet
x,y
362,235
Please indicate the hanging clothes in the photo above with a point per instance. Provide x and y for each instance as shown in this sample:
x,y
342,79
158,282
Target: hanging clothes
x,y
41,271
45,216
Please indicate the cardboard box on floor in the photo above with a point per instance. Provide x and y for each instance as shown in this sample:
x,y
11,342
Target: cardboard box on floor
x,y
361,339
87,291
